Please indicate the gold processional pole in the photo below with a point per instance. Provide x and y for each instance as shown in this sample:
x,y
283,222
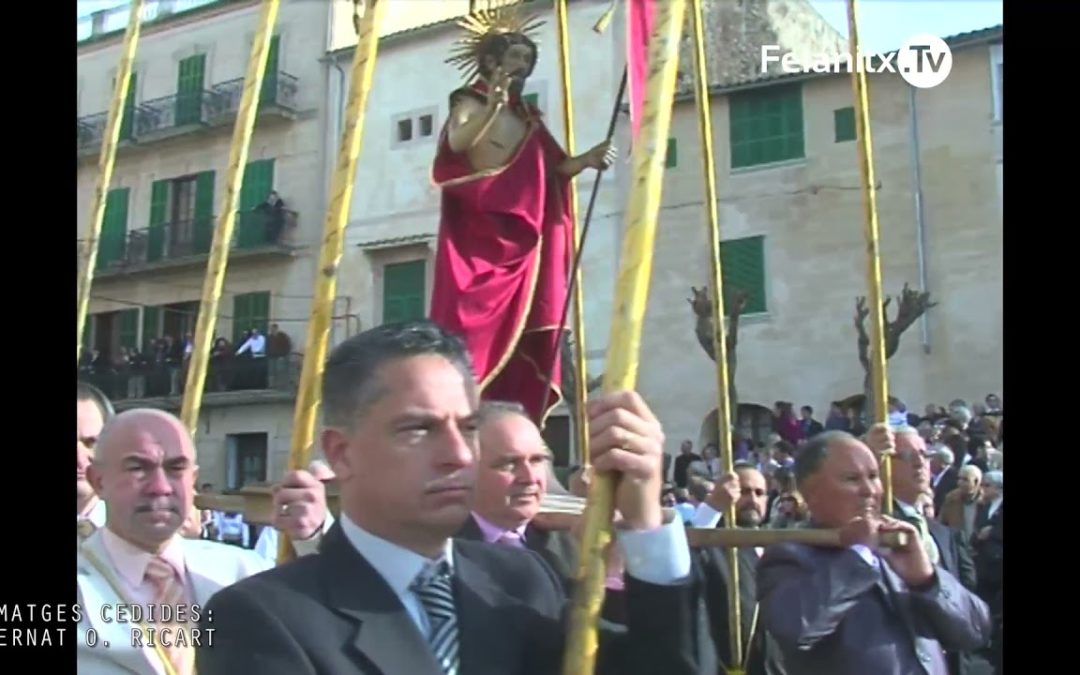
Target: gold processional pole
x,y
333,243
223,232
106,160
879,387
723,411
631,297
581,386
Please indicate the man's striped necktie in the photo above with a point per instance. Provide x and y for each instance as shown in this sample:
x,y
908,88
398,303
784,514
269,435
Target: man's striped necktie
x,y
435,591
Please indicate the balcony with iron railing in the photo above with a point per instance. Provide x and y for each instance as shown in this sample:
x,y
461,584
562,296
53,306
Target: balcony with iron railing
x,y
230,380
186,112
187,242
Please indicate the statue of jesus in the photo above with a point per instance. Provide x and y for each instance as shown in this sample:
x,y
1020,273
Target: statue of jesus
x,y
505,230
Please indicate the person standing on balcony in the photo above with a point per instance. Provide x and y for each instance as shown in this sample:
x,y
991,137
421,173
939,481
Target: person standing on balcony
x,y
278,349
273,213
255,344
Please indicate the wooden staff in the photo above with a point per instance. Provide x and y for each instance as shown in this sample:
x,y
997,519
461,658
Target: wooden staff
x,y
879,386
723,409
581,386
106,160
630,300
333,245
223,233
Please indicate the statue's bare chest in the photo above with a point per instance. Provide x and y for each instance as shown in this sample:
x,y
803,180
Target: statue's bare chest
x,y
500,143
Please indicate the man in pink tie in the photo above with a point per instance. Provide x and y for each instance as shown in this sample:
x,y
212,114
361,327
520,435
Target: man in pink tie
x,y
144,470
511,481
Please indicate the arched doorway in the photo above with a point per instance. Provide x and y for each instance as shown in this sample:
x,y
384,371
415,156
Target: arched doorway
x,y
753,421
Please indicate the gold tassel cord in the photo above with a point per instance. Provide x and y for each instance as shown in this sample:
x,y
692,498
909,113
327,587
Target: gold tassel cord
x,y
106,161
333,243
218,261
879,387
723,410
631,298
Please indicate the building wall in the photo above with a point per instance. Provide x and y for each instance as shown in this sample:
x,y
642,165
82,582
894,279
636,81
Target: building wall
x,y
225,35
296,146
804,348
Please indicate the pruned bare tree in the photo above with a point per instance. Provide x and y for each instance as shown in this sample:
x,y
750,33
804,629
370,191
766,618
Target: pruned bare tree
x,y
702,306
910,305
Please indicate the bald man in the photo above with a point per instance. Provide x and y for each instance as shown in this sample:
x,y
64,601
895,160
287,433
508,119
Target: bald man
x,y
826,605
144,471
747,489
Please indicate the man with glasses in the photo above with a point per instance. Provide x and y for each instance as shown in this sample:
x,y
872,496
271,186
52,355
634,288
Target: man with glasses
x,y
748,490
944,546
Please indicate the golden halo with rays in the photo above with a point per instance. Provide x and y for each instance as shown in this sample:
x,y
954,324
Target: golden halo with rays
x,y
482,23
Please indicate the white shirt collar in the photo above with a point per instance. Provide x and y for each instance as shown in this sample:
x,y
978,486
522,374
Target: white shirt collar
x,y
398,566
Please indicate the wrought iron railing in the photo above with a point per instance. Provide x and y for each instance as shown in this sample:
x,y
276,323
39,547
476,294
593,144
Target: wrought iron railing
x,y
176,111
148,377
187,109
279,89
185,239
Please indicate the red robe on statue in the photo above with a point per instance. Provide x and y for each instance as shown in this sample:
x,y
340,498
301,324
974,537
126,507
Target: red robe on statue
x,y
502,263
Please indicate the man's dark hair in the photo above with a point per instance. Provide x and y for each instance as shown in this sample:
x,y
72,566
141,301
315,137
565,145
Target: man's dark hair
x,y
350,380
786,448
808,409
88,392
813,454
497,44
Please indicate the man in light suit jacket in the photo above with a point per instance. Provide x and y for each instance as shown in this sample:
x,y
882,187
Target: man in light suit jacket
x,y
861,609
144,470
391,593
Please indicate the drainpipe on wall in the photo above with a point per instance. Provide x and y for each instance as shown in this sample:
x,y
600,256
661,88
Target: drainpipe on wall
x,y
920,216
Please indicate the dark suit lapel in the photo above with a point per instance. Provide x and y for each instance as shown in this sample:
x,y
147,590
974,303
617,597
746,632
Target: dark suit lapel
x,y
942,537
386,635
487,643
470,530
554,549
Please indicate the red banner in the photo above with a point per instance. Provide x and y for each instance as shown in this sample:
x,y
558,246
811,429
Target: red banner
x,y
640,18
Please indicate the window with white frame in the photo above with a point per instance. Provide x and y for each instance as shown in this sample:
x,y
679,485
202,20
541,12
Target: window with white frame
x,y
997,77
415,126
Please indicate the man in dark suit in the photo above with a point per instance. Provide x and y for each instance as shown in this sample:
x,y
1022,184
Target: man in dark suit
x,y
859,608
512,474
748,490
511,481
391,593
944,546
944,476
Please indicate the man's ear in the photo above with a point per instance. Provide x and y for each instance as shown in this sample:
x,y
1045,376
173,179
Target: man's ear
x,y
335,447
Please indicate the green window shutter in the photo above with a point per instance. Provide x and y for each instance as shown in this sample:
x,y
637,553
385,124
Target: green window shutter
x,y
671,158
113,228
250,310
844,124
532,99
128,328
189,90
268,95
766,126
404,291
127,122
743,262
203,227
258,182
151,325
159,208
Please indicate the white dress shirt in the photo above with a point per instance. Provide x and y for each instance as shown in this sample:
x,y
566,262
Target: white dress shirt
x,y
660,556
256,344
